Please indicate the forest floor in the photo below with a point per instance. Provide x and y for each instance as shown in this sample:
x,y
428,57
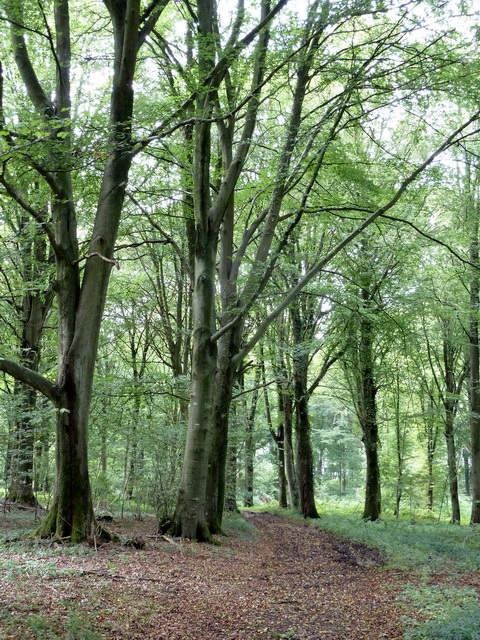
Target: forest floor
x,y
269,579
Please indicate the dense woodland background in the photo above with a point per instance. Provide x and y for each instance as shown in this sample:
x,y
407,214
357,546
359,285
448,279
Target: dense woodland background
x,y
239,258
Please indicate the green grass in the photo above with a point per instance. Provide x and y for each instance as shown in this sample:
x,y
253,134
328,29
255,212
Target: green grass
x,y
447,613
408,545
36,627
236,523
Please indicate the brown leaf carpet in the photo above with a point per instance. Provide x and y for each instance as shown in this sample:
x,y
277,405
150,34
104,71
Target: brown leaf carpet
x,y
288,580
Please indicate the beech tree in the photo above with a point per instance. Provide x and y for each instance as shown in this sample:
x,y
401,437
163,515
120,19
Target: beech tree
x,y
82,275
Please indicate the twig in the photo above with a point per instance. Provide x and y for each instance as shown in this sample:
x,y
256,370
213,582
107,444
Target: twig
x,y
98,255
113,576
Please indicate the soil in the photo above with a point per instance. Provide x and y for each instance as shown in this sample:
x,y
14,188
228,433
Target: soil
x,y
286,579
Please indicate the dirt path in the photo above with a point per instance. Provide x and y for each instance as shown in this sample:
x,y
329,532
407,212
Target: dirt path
x,y
287,581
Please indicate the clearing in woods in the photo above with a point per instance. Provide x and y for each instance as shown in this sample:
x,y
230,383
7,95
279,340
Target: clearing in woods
x,y
284,579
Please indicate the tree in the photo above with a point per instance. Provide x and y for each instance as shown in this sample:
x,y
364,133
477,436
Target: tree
x,y
81,278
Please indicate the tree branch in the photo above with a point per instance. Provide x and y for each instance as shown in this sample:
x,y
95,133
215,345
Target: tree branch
x,y
32,379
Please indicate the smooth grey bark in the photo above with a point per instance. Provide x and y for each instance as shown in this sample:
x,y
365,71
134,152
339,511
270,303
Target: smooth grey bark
x,y
139,345
278,437
230,502
190,518
450,403
431,432
466,470
400,438
285,407
235,304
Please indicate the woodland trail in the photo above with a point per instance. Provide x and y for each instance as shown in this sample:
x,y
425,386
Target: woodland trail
x,y
288,580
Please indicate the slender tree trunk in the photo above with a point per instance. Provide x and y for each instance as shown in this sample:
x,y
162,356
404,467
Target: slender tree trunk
x,y
282,477
368,419
399,484
302,423
278,436
450,405
431,435
430,481
231,479
286,403
249,453
20,471
474,349
35,308
190,518
475,396
215,492
466,470
452,462
400,448
279,439
250,442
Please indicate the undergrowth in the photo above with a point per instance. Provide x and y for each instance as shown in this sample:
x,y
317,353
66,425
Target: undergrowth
x,y
447,613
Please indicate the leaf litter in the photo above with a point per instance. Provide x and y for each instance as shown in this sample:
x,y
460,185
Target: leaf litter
x,y
287,580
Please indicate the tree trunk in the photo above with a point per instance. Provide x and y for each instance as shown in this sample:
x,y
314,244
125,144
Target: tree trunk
x,y
302,420
473,214
35,309
278,437
431,435
452,464
466,470
231,480
80,305
475,395
249,453
190,517
430,481
21,449
282,477
215,493
290,471
368,417
71,515
249,441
